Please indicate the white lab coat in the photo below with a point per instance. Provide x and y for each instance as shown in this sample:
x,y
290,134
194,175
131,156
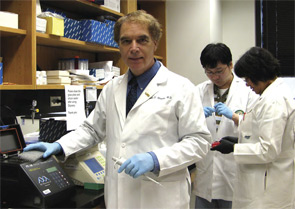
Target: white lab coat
x,y
265,154
167,119
215,174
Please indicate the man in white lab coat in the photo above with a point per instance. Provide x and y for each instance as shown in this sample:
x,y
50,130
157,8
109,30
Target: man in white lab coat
x,y
265,152
225,98
158,137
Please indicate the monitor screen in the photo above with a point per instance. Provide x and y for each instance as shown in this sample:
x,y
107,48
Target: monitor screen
x,y
9,140
93,164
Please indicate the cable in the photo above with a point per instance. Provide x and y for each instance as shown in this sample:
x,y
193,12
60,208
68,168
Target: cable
x,y
11,111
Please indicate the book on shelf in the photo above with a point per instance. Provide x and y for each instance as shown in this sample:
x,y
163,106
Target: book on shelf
x,y
59,80
57,73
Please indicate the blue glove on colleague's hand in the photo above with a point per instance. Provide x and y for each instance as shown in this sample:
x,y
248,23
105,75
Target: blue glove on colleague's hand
x,y
208,111
48,148
222,109
138,165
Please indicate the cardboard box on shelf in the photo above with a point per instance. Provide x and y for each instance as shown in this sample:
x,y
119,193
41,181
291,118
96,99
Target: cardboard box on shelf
x,y
109,41
8,19
72,29
93,31
55,26
112,4
41,25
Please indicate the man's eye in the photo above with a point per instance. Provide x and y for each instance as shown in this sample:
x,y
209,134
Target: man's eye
x,y
125,41
143,40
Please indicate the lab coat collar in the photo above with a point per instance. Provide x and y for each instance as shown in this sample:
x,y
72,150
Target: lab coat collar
x,y
271,88
233,89
152,88
120,98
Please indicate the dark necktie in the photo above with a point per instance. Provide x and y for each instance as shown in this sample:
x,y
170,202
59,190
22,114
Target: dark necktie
x,y
132,95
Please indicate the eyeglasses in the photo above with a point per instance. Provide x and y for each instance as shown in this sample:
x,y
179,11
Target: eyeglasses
x,y
219,71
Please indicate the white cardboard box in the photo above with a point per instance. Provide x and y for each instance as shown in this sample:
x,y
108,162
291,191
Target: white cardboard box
x,y
112,4
8,19
41,25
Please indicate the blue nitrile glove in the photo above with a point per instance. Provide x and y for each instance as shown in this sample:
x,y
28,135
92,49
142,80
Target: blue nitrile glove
x,y
208,111
138,165
222,109
48,148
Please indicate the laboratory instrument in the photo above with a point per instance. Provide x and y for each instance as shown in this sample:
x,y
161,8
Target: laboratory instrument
x,y
86,167
40,184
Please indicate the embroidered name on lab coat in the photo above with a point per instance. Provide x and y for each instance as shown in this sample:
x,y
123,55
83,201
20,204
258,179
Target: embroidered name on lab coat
x,y
162,97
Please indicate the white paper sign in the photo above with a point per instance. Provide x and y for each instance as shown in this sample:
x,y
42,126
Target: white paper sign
x,y
75,107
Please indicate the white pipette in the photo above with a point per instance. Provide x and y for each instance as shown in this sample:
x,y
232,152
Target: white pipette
x,y
119,161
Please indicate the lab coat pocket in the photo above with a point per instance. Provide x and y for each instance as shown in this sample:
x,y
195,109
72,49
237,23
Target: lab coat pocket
x,y
251,181
167,196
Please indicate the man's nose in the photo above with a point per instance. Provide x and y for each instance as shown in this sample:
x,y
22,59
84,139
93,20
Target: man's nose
x,y
134,45
215,76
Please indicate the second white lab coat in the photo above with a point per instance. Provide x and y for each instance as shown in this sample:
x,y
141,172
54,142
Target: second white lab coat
x,y
215,174
160,121
265,154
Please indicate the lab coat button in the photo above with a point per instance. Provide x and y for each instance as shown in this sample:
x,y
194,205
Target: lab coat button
x,y
123,145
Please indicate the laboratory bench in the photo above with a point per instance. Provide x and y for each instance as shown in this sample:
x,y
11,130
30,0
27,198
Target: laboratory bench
x,y
82,198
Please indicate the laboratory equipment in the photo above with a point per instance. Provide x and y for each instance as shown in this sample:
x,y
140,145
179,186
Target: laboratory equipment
x,y
26,184
86,167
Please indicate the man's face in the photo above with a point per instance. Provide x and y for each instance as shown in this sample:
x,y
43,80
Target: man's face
x,y
137,47
221,75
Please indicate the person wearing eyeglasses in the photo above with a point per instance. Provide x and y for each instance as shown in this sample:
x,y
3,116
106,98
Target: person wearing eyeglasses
x,y
225,98
265,152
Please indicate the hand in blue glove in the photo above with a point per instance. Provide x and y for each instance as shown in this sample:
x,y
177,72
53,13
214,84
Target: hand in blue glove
x,y
48,148
138,165
208,111
222,109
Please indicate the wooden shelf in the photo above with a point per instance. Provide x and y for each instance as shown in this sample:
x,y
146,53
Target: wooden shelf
x,y
16,87
10,32
44,87
62,42
83,7
23,50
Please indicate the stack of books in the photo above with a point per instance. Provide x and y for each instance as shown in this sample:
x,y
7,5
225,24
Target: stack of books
x,y
59,77
82,77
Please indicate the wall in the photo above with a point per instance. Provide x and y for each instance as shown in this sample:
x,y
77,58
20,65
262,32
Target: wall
x,y
192,24
238,26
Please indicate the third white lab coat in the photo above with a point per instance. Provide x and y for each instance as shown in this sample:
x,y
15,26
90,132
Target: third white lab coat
x,y
160,121
265,154
216,172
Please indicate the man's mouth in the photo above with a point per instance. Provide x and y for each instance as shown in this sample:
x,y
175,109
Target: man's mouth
x,y
135,58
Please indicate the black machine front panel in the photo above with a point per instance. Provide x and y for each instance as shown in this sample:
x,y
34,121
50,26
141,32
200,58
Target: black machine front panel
x,y
47,176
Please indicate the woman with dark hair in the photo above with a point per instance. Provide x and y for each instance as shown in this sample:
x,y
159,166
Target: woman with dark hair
x,y
259,68
265,152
